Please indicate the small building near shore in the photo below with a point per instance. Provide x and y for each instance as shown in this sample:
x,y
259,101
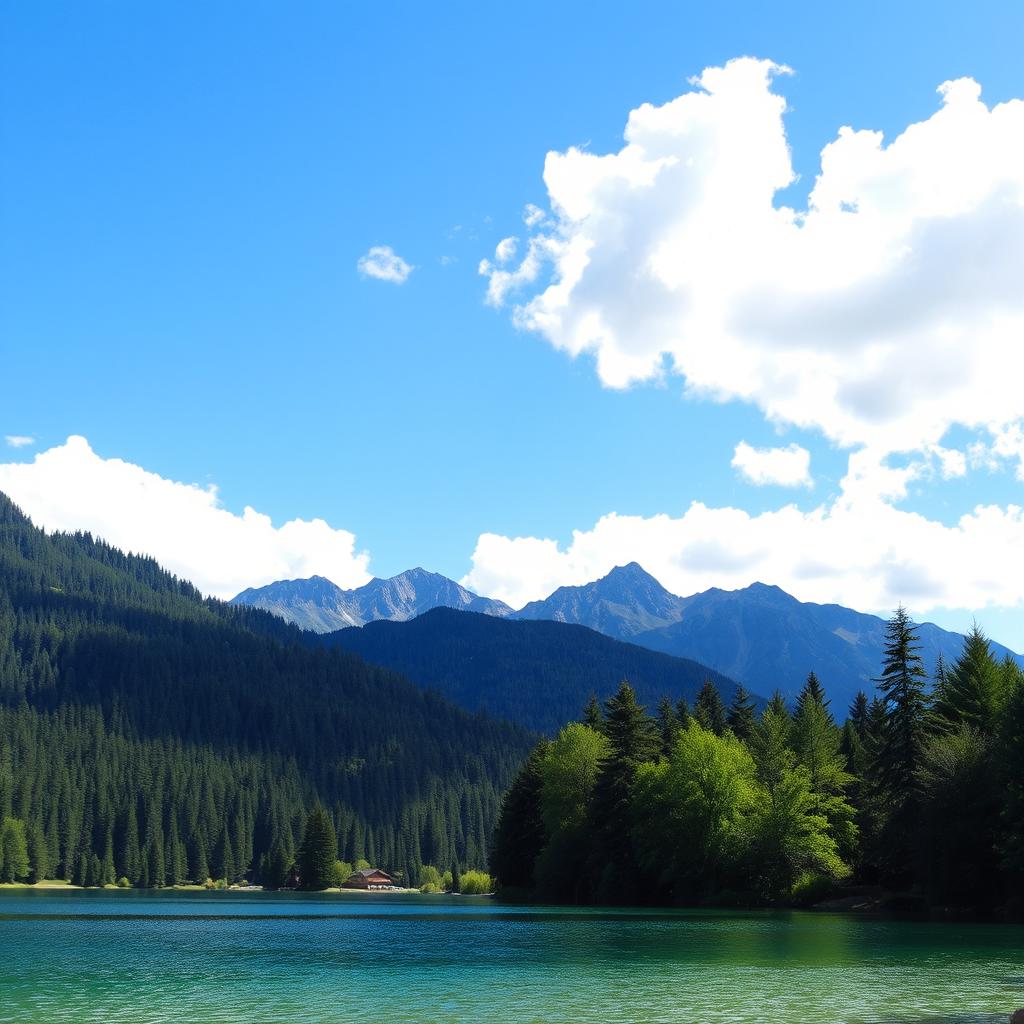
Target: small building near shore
x,y
370,878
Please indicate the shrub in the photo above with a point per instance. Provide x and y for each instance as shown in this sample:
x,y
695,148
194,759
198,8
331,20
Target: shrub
x,y
123,883
476,883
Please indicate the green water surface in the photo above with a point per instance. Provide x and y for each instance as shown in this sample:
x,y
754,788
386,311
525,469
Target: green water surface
x,y
233,957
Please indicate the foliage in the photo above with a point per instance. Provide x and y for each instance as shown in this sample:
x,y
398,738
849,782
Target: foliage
x,y
430,879
14,865
794,806
476,883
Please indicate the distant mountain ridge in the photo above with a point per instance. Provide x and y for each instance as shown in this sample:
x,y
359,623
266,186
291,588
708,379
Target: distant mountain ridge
x,y
759,635
321,606
538,674
624,604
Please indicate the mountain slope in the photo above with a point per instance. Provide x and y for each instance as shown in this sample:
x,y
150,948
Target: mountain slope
x,y
539,674
768,639
318,605
152,731
626,602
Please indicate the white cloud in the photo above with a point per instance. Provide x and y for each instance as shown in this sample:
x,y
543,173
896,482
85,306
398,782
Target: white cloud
x,y
888,310
19,440
787,467
384,264
184,526
533,216
506,249
857,551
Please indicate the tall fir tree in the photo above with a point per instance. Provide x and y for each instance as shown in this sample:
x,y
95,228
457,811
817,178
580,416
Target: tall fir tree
x,y
709,709
668,725
633,739
592,714
902,688
318,852
970,692
741,718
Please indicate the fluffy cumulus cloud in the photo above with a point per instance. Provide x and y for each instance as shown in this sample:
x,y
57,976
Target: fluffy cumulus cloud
x,y
863,553
884,312
384,264
184,526
887,310
787,467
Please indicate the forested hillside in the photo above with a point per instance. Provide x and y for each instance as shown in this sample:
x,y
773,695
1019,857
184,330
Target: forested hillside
x,y
538,674
149,733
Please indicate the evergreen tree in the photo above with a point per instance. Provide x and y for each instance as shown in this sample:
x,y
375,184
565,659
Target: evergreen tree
x,y
278,867
683,715
709,709
858,714
902,687
520,835
812,690
318,852
633,740
14,866
668,725
741,718
592,714
971,692
456,878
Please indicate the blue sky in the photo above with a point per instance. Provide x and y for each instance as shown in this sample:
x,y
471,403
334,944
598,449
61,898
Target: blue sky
x,y
186,191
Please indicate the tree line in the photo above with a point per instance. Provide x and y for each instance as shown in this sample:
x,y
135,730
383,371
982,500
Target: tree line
x,y
920,791
152,735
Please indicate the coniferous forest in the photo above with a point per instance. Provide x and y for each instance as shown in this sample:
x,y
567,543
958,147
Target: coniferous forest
x,y
152,736
919,793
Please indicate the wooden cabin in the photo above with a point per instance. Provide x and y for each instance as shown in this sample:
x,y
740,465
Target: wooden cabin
x,y
370,878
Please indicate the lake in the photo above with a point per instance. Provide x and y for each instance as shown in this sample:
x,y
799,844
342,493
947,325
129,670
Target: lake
x,y
144,958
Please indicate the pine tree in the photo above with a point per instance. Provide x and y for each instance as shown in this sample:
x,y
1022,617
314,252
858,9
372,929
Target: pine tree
x,y
812,690
858,714
668,725
902,686
14,866
740,718
456,878
971,692
520,835
709,709
633,739
683,715
592,714
318,852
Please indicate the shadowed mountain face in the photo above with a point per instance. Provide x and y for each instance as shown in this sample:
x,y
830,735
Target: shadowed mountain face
x,y
538,674
321,606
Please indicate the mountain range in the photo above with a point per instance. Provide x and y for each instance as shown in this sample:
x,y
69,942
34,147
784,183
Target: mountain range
x,y
759,635
538,674
321,606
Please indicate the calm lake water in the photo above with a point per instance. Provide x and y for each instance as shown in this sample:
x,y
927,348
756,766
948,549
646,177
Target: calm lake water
x,y
225,957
